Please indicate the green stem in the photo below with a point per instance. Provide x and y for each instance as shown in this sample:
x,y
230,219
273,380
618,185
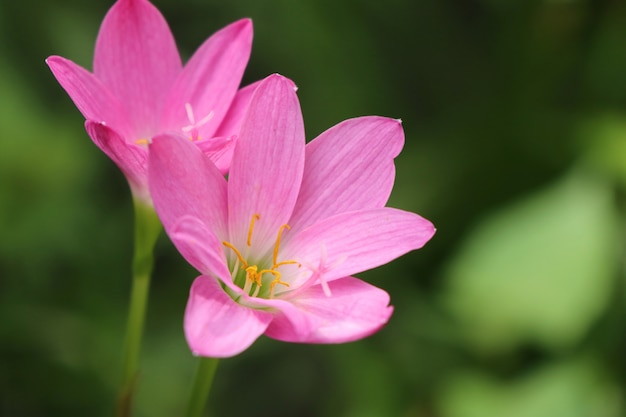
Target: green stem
x,y
147,229
201,386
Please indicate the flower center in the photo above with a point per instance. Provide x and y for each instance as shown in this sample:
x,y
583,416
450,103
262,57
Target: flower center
x,y
193,128
253,273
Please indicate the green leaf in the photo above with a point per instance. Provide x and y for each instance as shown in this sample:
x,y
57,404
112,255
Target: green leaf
x,y
539,271
575,388
603,141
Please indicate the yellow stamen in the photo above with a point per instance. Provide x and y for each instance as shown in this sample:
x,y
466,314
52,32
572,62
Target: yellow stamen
x,y
142,142
253,275
277,245
270,271
255,217
244,264
275,282
286,263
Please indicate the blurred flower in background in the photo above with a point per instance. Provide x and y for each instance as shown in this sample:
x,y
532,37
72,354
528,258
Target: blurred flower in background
x,y
139,88
514,116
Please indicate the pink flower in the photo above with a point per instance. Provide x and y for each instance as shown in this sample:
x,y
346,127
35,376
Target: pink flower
x,y
278,241
139,88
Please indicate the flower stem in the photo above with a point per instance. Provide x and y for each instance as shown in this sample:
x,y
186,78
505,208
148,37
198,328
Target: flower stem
x,y
201,386
147,229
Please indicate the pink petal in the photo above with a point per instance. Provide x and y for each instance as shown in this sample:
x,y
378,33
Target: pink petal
x,y
210,80
215,325
349,167
219,150
231,125
199,245
267,164
355,310
130,158
137,59
184,182
353,242
91,97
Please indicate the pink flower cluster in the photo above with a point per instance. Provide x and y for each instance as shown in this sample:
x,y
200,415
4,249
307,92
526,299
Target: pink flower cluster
x,y
278,240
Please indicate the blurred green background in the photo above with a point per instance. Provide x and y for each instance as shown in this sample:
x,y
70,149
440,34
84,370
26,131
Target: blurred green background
x,y
515,121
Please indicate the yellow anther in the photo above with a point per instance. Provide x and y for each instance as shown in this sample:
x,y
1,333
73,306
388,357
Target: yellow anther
x,y
275,282
253,275
254,217
286,263
142,142
271,271
244,264
277,245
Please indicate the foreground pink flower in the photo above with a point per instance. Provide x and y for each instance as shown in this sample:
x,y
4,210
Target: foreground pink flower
x,y
139,88
278,241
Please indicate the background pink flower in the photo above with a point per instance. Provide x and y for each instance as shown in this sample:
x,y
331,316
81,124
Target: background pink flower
x,y
139,88
278,241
